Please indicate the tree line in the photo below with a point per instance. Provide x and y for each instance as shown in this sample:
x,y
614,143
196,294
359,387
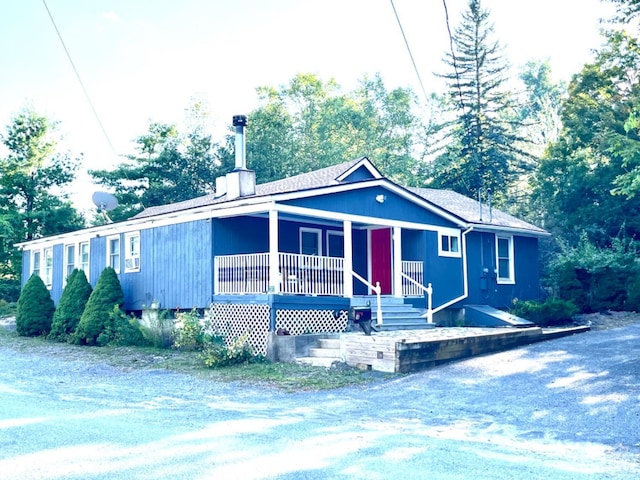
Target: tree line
x,y
565,157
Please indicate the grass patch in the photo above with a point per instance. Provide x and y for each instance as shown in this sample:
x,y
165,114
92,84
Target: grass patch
x,y
289,377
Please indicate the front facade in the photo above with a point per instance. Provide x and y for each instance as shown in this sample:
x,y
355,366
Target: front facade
x,y
295,253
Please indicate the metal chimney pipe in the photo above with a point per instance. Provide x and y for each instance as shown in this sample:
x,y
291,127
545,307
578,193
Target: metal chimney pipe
x,y
240,122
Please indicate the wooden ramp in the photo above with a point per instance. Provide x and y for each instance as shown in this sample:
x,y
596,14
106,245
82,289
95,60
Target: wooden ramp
x,y
403,352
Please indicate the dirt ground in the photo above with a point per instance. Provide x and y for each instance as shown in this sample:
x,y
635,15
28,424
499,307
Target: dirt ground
x,y
607,320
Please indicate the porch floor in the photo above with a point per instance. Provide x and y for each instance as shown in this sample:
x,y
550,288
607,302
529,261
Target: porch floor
x,y
408,351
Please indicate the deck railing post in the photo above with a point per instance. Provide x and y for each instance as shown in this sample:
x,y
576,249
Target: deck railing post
x,y
429,303
378,289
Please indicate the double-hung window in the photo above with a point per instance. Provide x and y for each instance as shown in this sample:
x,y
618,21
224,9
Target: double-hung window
x,y
35,262
113,252
69,259
504,259
48,267
132,252
83,258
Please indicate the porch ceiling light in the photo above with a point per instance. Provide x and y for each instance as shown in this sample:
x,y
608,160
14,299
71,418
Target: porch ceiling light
x,y
380,198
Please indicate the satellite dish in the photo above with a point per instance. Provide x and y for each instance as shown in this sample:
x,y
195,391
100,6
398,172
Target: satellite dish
x,y
105,202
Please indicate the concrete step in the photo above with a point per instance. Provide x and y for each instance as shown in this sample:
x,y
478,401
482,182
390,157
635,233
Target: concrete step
x,y
324,352
329,343
325,362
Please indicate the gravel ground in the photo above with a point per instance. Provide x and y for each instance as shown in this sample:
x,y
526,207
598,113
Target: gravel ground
x,y
562,409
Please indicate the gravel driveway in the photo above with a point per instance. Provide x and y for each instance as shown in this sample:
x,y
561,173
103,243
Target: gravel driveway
x,y
562,409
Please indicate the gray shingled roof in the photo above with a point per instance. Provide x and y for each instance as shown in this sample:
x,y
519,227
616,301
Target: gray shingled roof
x,y
323,177
467,209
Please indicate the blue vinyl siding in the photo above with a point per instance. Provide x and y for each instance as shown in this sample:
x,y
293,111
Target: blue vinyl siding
x,y
238,235
97,258
26,266
363,202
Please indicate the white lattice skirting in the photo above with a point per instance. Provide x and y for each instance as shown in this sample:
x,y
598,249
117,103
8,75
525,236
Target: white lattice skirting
x,y
299,322
234,320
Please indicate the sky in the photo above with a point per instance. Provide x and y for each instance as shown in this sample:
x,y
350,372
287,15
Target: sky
x,y
143,60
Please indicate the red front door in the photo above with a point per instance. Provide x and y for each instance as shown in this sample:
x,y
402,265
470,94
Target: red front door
x,y
381,259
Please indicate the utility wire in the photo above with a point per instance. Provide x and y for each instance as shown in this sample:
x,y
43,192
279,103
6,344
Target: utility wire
x,y
453,54
84,89
406,42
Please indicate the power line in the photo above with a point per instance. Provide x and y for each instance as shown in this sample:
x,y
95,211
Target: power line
x,y
426,97
86,93
453,54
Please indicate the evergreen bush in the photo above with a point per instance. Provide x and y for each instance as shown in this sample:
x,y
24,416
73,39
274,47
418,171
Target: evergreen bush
x,y
35,309
121,330
632,302
95,318
553,311
70,307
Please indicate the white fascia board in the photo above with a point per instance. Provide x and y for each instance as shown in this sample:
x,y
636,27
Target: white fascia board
x,y
364,162
382,222
381,182
522,232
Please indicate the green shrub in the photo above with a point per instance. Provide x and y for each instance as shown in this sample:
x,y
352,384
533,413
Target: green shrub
x,y
9,289
121,330
157,327
71,306
35,309
218,354
553,311
7,309
190,333
95,318
632,302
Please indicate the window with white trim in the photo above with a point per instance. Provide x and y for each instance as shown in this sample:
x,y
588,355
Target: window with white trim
x,y
310,241
35,262
335,244
48,267
449,244
83,258
69,259
113,252
132,252
504,259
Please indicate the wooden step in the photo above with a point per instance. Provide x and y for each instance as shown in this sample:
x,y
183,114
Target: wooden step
x,y
324,352
329,343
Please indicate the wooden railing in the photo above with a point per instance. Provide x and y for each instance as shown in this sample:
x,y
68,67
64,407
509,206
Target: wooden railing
x,y
414,271
299,274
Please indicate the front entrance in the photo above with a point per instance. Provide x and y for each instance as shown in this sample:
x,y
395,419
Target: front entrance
x,y
381,249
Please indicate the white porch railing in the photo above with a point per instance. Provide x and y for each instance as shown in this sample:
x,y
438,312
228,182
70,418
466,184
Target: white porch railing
x,y
299,274
414,271
238,274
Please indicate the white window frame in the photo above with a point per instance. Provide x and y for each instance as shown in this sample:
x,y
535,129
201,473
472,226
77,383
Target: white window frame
x,y
85,267
511,279
317,232
131,257
47,257
111,254
453,243
69,261
37,253
335,233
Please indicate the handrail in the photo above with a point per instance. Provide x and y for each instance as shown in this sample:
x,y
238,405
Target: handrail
x,y
429,291
376,289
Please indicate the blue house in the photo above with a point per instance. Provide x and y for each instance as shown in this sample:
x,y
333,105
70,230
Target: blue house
x,y
296,253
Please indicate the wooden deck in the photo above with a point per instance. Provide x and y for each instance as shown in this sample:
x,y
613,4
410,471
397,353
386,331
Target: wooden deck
x,y
408,351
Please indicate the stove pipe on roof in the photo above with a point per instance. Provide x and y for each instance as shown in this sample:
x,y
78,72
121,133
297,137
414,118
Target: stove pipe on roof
x,y
240,182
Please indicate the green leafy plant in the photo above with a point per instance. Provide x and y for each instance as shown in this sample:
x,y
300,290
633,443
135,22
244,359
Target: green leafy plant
x,y
218,353
71,306
190,332
35,309
553,311
95,318
7,309
157,327
121,330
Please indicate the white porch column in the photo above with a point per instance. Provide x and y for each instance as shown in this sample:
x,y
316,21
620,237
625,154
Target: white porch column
x,y
348,258
274,270
397,262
